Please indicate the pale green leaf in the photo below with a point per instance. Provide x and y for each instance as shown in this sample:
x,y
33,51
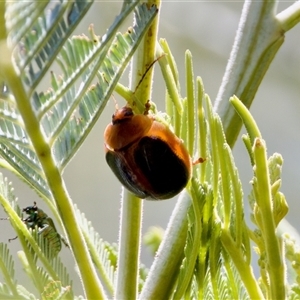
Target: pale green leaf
x,y
40,28
103,255
67,112
72,116
37,245
7,269
37,29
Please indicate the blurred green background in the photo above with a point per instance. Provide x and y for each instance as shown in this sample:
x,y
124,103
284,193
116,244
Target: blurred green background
x,y
207,29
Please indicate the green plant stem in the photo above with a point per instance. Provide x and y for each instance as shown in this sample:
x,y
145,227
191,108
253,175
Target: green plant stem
x,y
244,269
127,94
214,147
171,110
264,201
144,57
163,272
190,90
214,257
202,266
129,247
169,78
258,39
237,195
97,259
289,17
89,277
192,257
225,180
231,278
245,115
171,61
248,145
131,211
202,133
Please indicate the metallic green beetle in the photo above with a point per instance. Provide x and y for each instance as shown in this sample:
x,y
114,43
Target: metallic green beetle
x,y
38,219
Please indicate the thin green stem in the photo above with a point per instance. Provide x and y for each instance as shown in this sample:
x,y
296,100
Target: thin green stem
x,y
171,109
207,212
225,189
190,91
244,269
192,257
144,57
184,128
169,79
98,261
248,144
130,97
246,117
89,277
214,147
131,210
129,247
214,256
231,279
164,270
171,61
202,130
275,264
237,196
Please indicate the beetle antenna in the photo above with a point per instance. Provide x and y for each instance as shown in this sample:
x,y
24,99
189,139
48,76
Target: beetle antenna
x,y
147,70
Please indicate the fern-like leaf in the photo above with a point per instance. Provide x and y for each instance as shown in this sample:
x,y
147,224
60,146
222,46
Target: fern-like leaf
x,y
193,243
73,126
23,294
41,37
67,112
60,270
104,256
36,244
55,291
36,30
7,269
52,271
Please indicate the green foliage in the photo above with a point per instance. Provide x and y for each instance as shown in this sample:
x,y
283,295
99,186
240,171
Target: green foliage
x,y
65,113
8,270
103,255
205,252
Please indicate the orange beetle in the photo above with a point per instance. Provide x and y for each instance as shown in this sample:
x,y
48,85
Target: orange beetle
x,y
146,156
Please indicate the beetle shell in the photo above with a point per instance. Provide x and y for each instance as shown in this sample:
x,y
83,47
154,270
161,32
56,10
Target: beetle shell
x,y
38,219
146,156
